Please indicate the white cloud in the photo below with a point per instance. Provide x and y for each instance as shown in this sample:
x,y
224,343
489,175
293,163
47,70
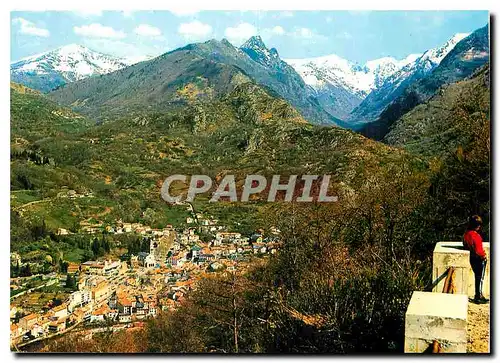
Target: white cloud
x,y
194,30
88,13
29,28
97,30
240,33
147,30
304,33
268,33
278,30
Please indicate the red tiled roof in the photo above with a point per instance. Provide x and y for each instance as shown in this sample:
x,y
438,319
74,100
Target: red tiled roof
x,y
31,316
102,310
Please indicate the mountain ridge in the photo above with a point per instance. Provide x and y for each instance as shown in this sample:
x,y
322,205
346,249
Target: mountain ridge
x,y
148,79
341,85
326,90
395,84
463,60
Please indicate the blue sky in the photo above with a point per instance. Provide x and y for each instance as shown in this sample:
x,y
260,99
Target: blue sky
x,y
355,35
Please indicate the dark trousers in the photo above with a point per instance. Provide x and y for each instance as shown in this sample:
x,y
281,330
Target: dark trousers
x,y
478,267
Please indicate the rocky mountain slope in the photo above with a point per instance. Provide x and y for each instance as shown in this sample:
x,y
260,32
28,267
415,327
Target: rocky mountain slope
x,y
448,119
463,60
154,84
396,82
357,94
326,90
341,85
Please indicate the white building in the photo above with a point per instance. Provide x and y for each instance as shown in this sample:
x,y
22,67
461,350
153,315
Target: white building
x,y
149,261
222,237
111,268
79,298
124,318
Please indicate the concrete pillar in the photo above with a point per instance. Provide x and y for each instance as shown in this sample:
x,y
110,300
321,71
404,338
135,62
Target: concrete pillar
x,y
452,254
433,316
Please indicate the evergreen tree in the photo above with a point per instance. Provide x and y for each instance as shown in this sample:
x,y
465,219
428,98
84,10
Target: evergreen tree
x,y
96,246
105,242
63,266
70,281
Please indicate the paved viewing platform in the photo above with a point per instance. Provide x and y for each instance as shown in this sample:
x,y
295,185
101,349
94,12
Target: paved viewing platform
x,y
441,317
453,254
444,320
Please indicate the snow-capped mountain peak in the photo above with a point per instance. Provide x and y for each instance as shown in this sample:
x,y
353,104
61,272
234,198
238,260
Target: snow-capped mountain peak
x,y
254,42
353,91
257,50
393,85
69,63
434,56
362,79
73,62
334,70
429,60
71,49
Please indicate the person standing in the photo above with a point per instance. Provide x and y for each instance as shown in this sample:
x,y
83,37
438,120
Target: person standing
x,y
474,243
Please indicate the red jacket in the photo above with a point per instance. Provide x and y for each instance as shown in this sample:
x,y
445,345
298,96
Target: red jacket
x,y
474,243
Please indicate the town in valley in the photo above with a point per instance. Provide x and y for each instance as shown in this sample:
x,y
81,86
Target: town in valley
x,y
122,292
